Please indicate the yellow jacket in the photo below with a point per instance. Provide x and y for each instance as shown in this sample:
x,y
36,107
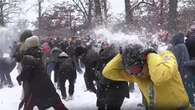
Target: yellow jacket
x,y
163,70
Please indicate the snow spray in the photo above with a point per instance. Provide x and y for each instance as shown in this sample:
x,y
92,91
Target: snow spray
x,y
120,39
8,36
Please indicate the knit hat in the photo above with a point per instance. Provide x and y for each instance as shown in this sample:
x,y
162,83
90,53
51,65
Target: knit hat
x,y
26,34
32,42
134,57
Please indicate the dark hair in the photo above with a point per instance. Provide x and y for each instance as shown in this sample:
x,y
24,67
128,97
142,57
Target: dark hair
x,y
26,34
133,55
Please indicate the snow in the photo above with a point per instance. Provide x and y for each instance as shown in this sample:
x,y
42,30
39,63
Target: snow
x,y
82,100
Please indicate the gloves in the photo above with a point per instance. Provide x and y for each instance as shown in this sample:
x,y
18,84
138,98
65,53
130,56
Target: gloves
x,y
150,50
147,51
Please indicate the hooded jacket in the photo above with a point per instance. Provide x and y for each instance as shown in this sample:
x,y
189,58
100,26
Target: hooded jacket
x,y
163,71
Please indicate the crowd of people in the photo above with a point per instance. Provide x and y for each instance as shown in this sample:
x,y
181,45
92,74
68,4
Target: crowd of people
x,y
165,79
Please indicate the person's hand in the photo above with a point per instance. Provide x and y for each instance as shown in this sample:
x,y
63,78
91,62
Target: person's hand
x,y
149,50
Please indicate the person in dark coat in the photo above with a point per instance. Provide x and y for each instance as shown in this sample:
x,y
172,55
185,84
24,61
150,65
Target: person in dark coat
x,y
74,50
190,42
6,66
90,60
42,92
176,42
183,59
52,64
18,55
67,71
110,94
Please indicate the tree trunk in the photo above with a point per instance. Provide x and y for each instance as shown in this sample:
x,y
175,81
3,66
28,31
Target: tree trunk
x,y
105,11
2,23
172,16
161,21
128,12
39,13
98,13
89,13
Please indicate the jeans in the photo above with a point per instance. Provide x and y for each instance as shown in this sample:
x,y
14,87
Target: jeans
x,y
50,67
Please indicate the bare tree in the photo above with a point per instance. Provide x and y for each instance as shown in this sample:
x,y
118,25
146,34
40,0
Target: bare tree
x,y
85,7
89,16
98,13
2,22
105,11
59,21
172,16
128,12
39,12
8,8
80,5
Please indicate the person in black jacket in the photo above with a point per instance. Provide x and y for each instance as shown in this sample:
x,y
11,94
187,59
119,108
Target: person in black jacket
x,y
110,94
7,64
42,92
67,71
90,60
190,42
185,64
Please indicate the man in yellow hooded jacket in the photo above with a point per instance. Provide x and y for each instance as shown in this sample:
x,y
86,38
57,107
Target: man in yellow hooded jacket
x,y
157,76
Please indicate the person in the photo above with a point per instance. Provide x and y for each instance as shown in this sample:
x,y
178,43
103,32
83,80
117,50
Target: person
x,y
110,94
90,60
52,64
157,76
17,55
42,92
67,71
190,42
181,53
7,64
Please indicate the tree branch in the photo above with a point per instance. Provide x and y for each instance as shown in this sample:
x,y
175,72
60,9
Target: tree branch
x,y
142,2
83,7
85,16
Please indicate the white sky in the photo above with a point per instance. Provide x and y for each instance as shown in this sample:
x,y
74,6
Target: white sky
x,y
117,6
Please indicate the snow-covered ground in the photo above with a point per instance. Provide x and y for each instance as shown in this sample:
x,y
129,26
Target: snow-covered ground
x,y
82,100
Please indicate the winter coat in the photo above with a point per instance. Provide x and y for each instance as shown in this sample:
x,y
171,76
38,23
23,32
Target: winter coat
x,y
190,43
70,50
90,59
42,89
6,65
106,88
67,68
164,75
177,39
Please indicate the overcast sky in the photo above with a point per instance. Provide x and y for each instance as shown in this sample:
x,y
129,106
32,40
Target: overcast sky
x,y
117,6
